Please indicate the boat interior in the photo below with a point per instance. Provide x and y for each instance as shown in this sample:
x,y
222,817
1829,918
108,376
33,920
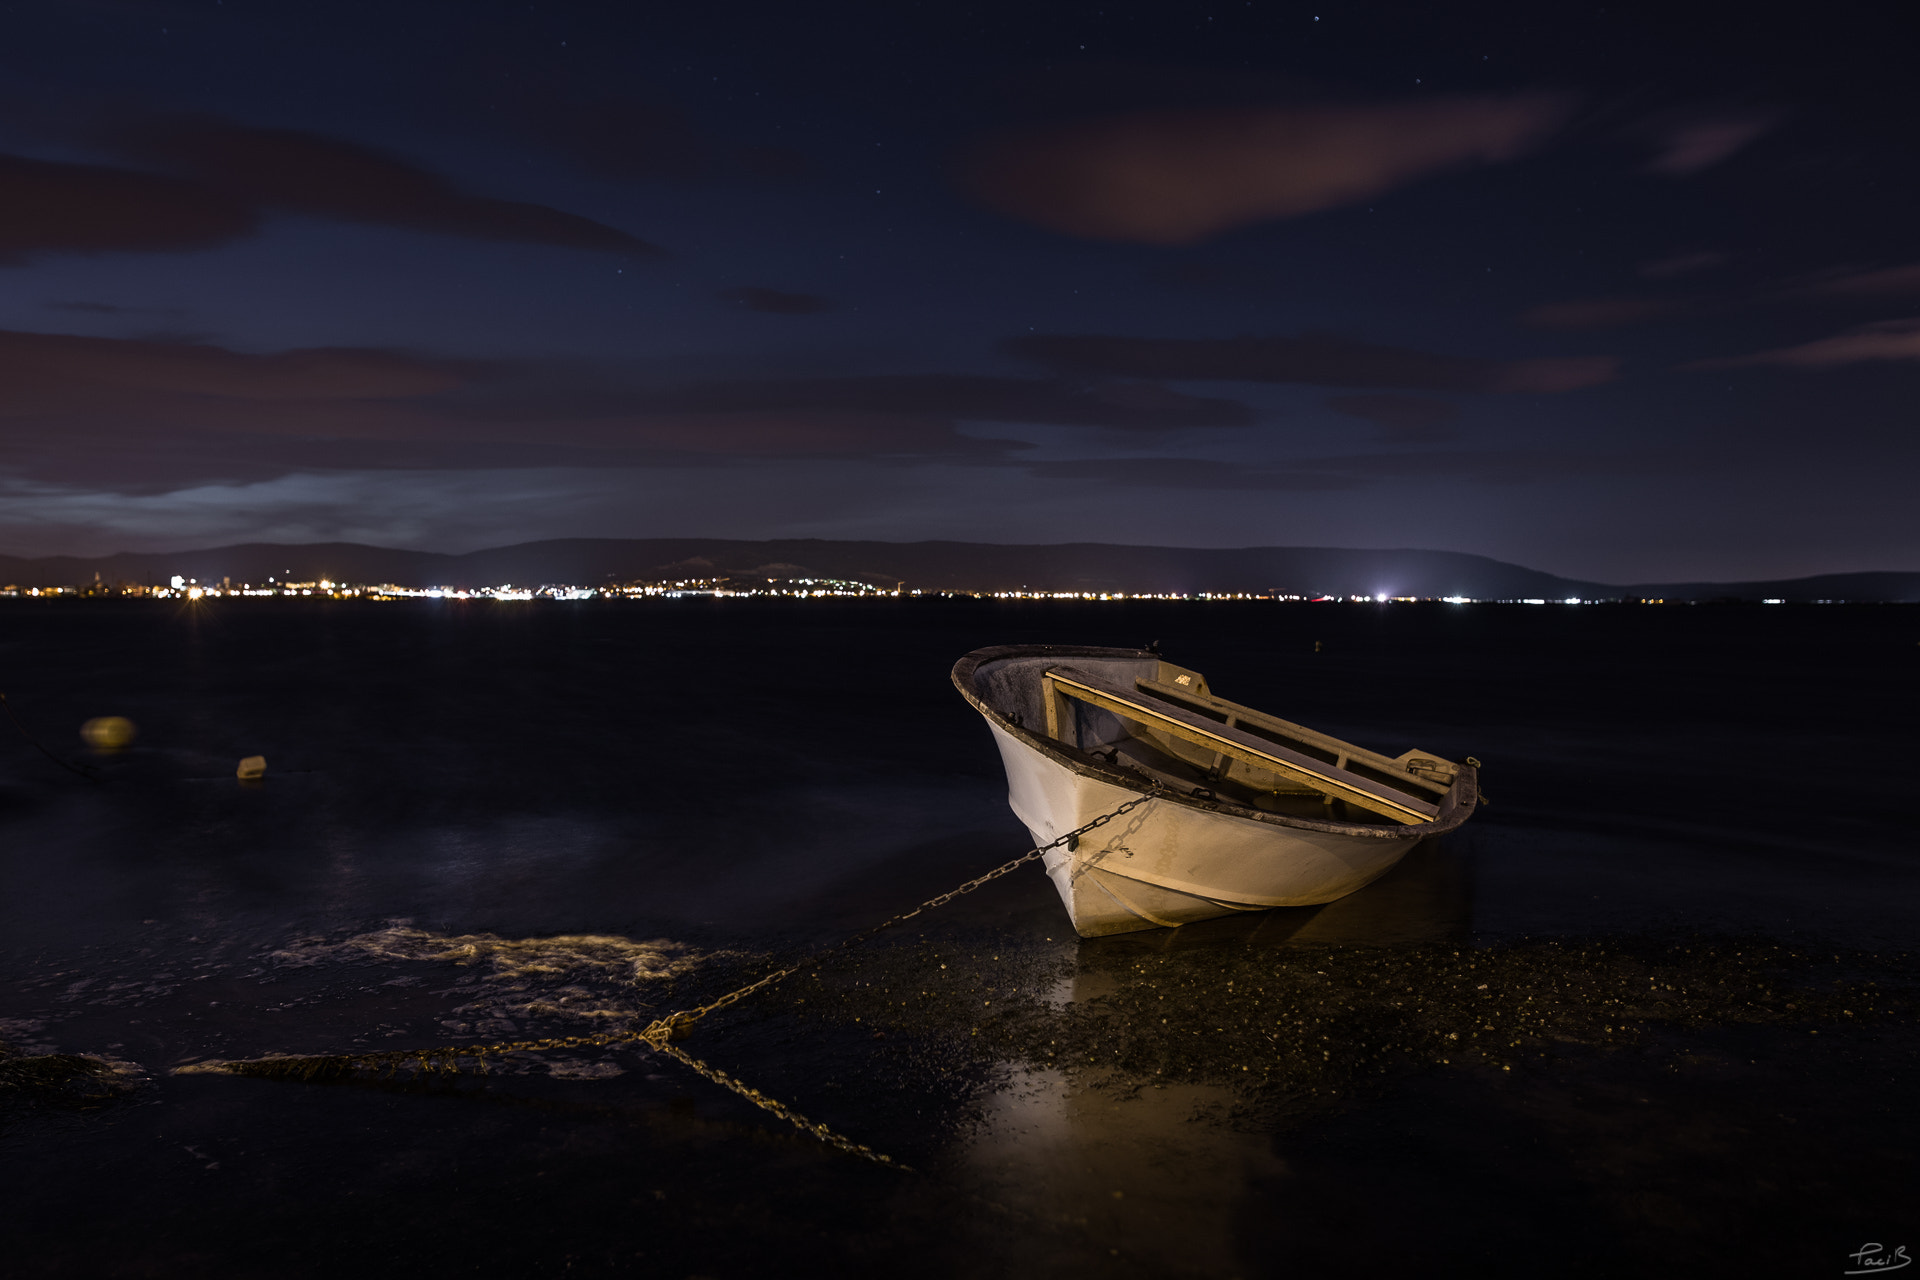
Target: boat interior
x,y
1163,722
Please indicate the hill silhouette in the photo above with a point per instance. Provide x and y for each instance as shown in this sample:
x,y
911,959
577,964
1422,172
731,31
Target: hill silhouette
x,y
929,566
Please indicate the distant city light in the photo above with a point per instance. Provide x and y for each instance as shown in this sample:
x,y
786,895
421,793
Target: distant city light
x,y
722,586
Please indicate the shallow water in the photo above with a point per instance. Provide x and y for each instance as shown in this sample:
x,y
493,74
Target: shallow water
x,y
1650,1010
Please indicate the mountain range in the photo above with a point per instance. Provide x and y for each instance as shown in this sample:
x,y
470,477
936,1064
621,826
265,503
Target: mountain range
x,y
930,566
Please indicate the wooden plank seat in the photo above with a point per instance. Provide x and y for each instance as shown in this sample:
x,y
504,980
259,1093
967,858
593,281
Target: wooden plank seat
x,y
1398,800
1421,769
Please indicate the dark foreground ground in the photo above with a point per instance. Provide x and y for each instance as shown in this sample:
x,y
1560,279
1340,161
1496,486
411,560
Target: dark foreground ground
x,y
1652,1012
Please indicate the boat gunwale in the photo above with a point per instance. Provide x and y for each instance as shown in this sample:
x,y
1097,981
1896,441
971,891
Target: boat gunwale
x,y
1456,806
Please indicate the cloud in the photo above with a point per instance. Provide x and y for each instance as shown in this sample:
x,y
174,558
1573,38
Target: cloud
x,y
967,397
777,434
1175,177
1701,143
777,302
1314,359
383,508
1885,340
144,413
325,177
1826,287
81,208
1336,473
102,308
201,183
1886,282
1510,466
1192,473
1404,419
34,364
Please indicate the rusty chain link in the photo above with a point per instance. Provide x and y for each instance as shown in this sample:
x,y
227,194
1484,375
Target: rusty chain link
x,y
781,1109
675,1024
657,1035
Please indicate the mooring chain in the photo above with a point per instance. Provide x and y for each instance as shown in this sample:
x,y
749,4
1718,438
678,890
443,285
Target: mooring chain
x,y
658,1034
675,1025
782,1110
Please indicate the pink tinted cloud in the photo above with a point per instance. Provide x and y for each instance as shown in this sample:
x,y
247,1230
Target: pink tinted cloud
x,y
132,412
34,365
1174,177
222,179
112,388
1885,340
1702,143
1887,282
327,177
1839,285
81,208
1123,405
1313,359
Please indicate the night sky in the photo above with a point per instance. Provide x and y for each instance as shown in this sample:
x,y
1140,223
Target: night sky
x,y
1628,293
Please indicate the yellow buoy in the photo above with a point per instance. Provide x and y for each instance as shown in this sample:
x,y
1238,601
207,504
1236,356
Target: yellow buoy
x,y
108,733
252,767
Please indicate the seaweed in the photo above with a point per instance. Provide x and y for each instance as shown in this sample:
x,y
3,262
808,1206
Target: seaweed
x,y
62,1079
1297,1029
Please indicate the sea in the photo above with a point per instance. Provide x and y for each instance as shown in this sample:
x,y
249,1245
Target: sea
x,y
1650,1012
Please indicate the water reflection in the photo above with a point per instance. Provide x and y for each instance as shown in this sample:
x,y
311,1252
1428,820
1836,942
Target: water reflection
x,y
1126,1166
1148,1174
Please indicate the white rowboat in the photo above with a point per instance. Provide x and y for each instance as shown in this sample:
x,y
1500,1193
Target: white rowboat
x,y
1250,811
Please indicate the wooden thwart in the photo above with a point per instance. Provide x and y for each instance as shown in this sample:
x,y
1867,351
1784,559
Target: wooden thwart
x,y
1342,752
1065,682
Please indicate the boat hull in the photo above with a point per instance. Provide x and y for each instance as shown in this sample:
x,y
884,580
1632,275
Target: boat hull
x,y
1172,863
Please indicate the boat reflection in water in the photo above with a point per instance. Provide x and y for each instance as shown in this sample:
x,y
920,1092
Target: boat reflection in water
x,y
1128,1168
